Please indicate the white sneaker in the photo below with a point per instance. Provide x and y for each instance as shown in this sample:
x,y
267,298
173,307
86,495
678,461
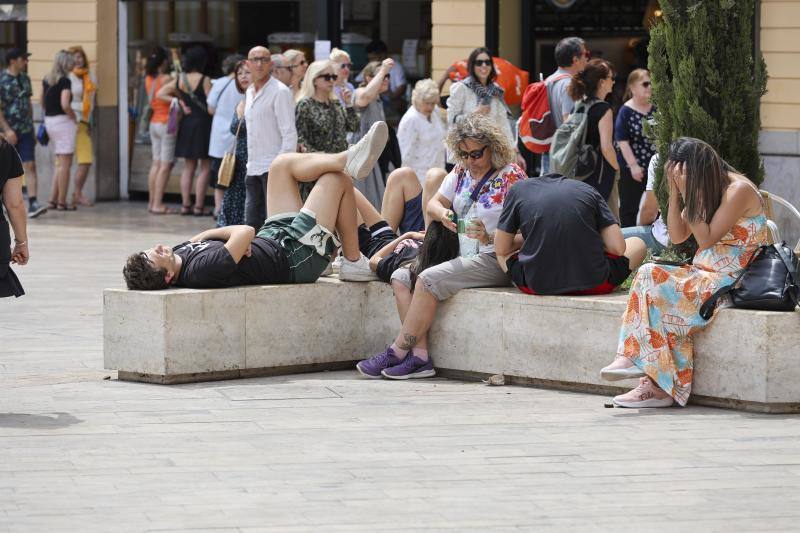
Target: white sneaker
x,y
356,270
361,157
621,368
337,264
328,271
647,394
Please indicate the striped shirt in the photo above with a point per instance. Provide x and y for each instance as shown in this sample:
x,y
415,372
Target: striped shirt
x,y
270,125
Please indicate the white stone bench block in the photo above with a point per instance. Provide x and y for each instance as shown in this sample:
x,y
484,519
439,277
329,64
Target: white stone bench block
x,y
745,359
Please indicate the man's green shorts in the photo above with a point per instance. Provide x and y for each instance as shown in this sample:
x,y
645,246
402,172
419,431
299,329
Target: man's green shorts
x,y
308,246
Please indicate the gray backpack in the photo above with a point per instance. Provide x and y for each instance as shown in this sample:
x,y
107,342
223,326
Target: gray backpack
x,y
570,156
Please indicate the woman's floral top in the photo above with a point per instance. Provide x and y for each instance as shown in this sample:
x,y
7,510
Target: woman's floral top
x,y
323,127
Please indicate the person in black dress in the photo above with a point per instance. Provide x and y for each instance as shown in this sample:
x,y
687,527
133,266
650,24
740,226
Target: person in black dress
x,y
194,132
11,197
593,86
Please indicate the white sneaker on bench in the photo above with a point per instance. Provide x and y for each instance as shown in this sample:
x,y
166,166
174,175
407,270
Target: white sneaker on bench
x,y
356,270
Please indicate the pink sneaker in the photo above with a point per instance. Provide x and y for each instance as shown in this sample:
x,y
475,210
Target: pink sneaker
x,y
647,394
621,368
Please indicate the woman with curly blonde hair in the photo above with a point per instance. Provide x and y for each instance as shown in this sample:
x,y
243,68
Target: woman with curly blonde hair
x,y
484,173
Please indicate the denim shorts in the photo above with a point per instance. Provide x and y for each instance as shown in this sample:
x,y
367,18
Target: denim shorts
x,y
26,147
308,246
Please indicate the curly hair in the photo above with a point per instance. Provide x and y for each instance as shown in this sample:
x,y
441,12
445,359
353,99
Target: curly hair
x,y
482,129
425,91
141,275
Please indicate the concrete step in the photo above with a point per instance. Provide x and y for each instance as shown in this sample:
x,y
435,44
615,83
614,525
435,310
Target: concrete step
x,y
745,359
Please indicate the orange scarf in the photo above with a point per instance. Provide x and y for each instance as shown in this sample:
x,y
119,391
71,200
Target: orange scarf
x,y
89,89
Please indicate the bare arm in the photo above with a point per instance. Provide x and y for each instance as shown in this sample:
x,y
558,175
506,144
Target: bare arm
x,y
66,101
15,205
445,76
386,250
167,91
677,227
627,154
439,209
649,209
506,243
366,95
736,202
606,127
613,241
237,239
8,132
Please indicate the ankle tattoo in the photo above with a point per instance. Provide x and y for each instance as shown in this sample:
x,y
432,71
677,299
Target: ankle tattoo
x,y
408,342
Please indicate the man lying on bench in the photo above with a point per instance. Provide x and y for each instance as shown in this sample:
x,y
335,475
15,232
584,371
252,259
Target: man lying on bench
x,y
293,246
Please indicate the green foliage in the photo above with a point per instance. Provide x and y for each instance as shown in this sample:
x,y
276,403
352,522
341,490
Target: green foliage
x,y
707,83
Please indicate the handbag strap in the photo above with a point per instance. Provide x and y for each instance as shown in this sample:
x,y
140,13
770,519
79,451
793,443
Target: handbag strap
x,y
193,97
786,261
707,309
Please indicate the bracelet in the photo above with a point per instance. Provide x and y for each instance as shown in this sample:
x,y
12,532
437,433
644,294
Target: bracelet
x,y
19,243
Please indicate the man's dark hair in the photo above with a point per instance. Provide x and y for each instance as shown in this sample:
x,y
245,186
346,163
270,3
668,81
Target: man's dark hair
x,y
377,47
566,49
194,59
141,275
473,56
230,62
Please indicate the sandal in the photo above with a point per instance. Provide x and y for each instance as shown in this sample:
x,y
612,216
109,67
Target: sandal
x,y
82,200
200,212
65,207
165,211
51,205
186,210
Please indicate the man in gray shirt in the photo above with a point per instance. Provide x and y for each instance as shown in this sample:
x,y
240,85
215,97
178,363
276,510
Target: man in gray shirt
x,y
571,57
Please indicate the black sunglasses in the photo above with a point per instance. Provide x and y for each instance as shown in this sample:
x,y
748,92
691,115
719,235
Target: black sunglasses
x,y
327,77
346,65
483,62
474,154
646,84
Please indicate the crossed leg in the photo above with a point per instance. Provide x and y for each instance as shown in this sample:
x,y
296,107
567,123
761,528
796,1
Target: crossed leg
x,y
402,185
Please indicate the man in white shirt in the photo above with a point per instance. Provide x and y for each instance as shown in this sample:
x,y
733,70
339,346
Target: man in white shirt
x,y
651,228
571,57
269,115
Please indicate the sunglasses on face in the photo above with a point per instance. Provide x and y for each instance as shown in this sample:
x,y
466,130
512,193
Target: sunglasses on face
x,y
646,84
327,77
346,65
483,62
474,154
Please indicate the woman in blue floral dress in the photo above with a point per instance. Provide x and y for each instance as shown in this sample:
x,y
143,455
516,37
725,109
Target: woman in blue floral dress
x,y
231,212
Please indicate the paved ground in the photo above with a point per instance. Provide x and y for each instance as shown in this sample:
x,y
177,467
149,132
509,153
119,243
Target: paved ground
x,y
330,451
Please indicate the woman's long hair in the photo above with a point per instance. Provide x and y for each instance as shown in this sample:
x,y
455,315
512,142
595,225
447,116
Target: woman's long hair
x,y
154,61
585,83
440,245
706,176
634,77
473,56
62,66
307,88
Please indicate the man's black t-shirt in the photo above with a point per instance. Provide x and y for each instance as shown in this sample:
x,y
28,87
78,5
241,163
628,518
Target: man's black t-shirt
x,y
560,220
10,168
209,265
395,260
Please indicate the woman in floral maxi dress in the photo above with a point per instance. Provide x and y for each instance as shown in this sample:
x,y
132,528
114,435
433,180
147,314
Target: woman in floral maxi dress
x,y
655,341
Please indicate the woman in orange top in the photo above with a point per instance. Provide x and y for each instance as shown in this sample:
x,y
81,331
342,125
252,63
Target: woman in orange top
x,y
163,144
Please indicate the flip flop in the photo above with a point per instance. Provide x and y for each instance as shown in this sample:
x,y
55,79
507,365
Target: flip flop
x,y
165,211
201,212
186,210
65,207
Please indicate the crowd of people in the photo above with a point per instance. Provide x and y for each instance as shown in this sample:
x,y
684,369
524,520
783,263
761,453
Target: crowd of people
x,y
315,182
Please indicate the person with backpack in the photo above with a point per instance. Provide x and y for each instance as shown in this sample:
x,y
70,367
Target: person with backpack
x,y
583,146
547,104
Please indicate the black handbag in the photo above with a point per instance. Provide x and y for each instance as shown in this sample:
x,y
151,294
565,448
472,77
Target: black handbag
x,y
767,283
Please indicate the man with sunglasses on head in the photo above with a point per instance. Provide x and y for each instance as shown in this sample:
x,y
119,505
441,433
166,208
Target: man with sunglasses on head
x,y
571,57
269,112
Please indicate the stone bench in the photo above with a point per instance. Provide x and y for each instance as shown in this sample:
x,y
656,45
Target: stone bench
x,y
747,359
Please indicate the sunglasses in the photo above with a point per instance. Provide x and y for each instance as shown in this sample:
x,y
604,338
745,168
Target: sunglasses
x,y
327,77
346,65
483,62
474,154
646,84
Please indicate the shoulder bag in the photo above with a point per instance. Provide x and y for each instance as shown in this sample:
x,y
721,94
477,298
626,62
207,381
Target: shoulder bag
x,y
228,164
769,282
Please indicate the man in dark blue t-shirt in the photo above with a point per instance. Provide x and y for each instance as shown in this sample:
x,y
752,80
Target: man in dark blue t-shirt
x,y
570,242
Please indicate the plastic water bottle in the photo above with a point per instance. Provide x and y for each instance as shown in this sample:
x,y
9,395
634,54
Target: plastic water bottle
x,y
467,245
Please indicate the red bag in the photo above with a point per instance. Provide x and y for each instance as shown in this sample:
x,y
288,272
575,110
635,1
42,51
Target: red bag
x,y
536,125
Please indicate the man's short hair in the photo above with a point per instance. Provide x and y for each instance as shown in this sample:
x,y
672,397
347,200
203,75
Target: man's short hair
x,y
377,47
141,275
566,49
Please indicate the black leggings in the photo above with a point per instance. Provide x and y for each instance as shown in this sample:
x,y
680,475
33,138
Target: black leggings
x,y
630,195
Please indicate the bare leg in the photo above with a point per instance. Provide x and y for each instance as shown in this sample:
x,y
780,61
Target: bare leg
x,y
418,320
64,164
402,298
402,185
635,250
367,214
151,183
201,186
31,179
307,167
162,177
218,194
81,174
433,180
189,166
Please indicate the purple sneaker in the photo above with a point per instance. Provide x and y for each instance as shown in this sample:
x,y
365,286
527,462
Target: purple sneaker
x,y
373,366
411,367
